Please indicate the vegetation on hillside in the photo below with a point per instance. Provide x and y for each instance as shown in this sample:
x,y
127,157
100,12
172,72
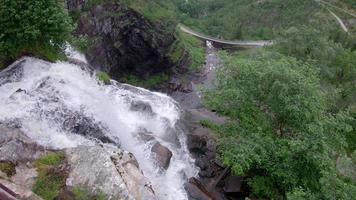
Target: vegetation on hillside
x,y
187,46
292,110
34,27
250,19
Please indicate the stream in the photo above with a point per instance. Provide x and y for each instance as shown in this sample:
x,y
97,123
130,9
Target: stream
x,y
52,101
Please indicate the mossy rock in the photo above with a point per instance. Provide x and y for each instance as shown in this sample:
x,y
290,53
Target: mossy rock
x,y
103,77
51,177
9,168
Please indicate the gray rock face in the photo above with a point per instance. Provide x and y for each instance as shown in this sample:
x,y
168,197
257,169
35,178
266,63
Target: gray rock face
x,y
138,185
12,191
124,40
15,146
162,154
111,171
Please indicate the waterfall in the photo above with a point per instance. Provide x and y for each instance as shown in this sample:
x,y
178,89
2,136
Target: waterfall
x,y
48,99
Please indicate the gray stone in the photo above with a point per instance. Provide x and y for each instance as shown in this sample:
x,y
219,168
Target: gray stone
x,y
15,146
140,106
162,154
108,170
125,41
9,189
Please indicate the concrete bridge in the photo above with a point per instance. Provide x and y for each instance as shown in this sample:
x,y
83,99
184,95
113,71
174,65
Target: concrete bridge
x,y
237,43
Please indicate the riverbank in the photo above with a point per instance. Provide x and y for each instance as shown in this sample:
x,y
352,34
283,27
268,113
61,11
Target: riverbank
x,y
214,180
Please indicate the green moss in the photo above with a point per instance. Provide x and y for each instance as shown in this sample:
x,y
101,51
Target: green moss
x,y
50,180
186,44
103,77
53,158
81,193
152,81
9,168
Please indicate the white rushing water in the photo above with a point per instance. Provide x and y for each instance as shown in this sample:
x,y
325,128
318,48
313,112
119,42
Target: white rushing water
x,y
43,97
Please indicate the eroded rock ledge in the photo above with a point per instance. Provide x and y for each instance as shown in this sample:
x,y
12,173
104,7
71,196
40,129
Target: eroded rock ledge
x,y
100,169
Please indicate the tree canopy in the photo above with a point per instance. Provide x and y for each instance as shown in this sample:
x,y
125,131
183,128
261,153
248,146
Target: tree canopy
x,y
38,27
280,130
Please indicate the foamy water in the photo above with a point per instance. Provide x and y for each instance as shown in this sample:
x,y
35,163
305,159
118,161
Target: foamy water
x,y
40,96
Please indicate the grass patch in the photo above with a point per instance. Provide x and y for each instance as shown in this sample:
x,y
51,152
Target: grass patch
x,y
152,81
186,44
103,77
81,193
50,180
9,168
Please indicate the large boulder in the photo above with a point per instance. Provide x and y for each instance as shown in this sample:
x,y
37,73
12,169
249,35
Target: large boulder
x,y
162,154
122,40
111,171
15,146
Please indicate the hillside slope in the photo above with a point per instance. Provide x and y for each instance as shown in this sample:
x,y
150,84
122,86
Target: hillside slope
x,y
256,19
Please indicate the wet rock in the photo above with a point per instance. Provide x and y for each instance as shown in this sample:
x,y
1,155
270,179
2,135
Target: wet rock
x,y
111,171
233,184
162,154
201,142
15,146
13,73
197,191
138,185
140,106
125,41
145,136
78,123
75,5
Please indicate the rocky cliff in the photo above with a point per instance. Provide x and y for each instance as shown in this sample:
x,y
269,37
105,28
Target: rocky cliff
x,y
122,41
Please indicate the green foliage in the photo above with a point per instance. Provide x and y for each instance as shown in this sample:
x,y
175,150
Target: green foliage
x,y
186,45
81,193
9,168
280,130
81,43
103,77
37,27
248,19
150,82
53,158
49,181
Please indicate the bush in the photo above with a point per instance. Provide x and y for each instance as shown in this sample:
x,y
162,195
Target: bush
x,y
187,45
37,27
150,82
103,77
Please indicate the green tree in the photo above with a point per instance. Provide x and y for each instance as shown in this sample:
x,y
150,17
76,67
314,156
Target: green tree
x,y
280,132
38,27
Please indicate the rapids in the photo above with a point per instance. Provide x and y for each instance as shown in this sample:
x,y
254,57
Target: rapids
x,y
49,99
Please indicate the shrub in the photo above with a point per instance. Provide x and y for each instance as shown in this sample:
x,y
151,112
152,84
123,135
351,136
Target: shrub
x,y
37,27
103,77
